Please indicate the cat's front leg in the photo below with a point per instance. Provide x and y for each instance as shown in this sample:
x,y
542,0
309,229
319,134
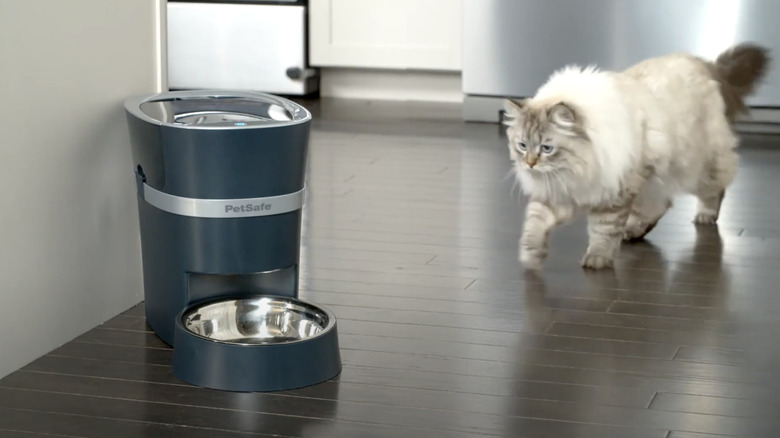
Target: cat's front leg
x,y
540,219
605,232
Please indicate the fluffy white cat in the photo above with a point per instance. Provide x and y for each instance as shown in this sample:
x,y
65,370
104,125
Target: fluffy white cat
x,y
620,145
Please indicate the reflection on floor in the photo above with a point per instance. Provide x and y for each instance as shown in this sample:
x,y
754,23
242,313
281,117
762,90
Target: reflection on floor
x,y
410,237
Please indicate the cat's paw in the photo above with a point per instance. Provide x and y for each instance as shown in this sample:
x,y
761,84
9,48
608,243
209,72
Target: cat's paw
x,y
597,261
635,233
636,230
532,260
705,218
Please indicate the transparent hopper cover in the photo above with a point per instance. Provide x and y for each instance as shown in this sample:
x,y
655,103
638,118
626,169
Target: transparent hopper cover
x,y
222,111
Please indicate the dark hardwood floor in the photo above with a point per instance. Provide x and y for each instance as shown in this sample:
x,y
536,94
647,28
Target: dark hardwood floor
x,y
410,237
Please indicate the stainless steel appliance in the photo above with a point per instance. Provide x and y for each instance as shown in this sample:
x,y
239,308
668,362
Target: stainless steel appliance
x,y
240,44
512,46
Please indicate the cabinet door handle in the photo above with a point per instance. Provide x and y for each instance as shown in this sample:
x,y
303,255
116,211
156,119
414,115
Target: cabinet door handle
x,y
298,73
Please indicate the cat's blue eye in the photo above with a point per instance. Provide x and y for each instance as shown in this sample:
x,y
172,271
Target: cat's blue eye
x,y
547,149
521,146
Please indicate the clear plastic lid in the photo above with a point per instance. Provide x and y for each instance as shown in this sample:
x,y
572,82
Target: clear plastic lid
x,y
228,110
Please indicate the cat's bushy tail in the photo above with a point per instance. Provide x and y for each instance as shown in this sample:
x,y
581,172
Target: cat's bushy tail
x,y
739,69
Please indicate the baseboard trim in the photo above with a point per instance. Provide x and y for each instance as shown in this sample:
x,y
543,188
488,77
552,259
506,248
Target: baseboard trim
x,y
394,85
487,109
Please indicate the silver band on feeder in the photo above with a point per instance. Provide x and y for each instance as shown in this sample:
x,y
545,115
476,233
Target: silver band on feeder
x,y
223,208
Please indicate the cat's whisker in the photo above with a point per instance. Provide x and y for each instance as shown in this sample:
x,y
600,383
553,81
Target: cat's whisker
x,y
559,182
512,173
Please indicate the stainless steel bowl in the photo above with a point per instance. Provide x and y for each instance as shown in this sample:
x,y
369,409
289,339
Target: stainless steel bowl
x,y
257,320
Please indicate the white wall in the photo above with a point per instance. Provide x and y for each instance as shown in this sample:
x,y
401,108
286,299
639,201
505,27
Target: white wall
x,y
70,251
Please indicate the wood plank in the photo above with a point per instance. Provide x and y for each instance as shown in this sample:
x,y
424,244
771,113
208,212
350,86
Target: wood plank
x,y
7,433
349,386
710,355
478,377
731,407
230,422
443,397
676,434
441,348
588,331
87,426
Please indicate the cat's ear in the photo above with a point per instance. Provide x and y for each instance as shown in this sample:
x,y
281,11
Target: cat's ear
x,y
513,109
565,117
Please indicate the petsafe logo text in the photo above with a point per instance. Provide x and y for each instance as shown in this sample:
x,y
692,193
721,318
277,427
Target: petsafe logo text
x,y
247,208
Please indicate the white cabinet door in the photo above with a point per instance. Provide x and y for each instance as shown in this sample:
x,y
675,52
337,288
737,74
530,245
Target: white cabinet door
x,y
394,34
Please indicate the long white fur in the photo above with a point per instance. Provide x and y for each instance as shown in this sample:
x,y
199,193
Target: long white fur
x,y
654,130
666,113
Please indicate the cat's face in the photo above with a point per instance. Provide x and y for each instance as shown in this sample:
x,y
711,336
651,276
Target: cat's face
x,y
541,152
546,139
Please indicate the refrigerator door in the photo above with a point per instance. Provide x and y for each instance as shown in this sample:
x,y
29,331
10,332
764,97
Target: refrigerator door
x,y
512,46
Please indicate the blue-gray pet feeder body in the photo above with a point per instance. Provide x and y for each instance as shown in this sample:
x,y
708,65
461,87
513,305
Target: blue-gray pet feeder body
x,y
220,178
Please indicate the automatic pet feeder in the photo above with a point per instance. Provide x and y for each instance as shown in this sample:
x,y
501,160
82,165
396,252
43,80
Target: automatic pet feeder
x,y
220,179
